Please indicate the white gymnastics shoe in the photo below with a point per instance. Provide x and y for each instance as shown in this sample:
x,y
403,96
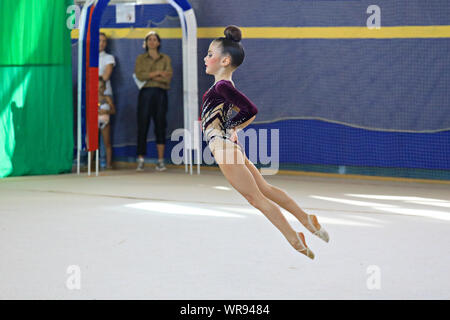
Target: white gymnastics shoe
x,y
321,233
308,252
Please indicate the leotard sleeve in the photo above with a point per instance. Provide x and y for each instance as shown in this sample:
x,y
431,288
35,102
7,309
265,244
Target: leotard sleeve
x,y
246,108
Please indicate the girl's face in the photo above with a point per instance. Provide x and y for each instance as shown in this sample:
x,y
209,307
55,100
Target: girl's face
x,y
102,43
152,42
214,60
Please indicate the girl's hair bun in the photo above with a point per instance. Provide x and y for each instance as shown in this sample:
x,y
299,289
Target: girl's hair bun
x,y
233,33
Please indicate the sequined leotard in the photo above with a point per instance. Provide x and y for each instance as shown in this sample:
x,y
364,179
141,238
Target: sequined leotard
x,y
217,105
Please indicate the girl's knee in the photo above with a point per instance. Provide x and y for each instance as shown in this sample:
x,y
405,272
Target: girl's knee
x,y
251,199
266,189
256,200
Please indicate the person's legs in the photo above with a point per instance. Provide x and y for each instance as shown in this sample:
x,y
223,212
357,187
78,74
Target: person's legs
x,y
242,180
159,114
160,147
106,135
102,150
160,121
143,120
280,197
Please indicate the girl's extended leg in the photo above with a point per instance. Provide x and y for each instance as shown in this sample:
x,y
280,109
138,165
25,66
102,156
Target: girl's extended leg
x,y
242,180
280,197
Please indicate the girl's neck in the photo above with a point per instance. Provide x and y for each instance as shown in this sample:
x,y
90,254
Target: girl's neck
x,y
223,76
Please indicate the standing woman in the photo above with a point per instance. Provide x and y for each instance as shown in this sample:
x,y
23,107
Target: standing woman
x,y
225,54
155,68
106,65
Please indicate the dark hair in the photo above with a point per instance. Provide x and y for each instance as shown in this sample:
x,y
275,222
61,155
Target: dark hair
x,y
148,36
231,44
100,79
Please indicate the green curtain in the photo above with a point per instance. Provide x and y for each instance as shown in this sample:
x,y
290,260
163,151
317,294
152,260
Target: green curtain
x,y
36,111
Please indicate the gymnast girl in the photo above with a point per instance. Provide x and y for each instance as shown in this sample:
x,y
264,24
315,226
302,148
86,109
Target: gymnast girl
x,y
225,54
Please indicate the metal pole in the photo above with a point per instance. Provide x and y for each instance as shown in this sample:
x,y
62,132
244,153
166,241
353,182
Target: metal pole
x,y
89,163
96,162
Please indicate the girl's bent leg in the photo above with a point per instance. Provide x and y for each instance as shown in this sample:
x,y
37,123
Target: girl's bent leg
x,y
242,180
280,197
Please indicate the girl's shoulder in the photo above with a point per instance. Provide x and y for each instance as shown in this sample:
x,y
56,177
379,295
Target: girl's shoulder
x,y
105,54
218,86
224,82
224,87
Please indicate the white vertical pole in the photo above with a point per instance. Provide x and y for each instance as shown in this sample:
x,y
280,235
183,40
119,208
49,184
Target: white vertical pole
x,y
198,143
191,26
190,160
96,162
89,163
81,28
185,79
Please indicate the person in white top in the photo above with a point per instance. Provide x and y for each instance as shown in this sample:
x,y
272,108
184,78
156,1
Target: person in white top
x,y
106,64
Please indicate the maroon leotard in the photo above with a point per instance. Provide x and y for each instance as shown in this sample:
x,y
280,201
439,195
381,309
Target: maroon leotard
x,y
217,105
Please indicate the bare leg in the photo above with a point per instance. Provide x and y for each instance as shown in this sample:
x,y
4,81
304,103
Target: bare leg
x,y
160,148
107,140
280,197
242,180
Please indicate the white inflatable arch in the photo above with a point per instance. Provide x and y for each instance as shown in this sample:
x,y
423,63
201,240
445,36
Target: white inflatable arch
x,y
190,82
